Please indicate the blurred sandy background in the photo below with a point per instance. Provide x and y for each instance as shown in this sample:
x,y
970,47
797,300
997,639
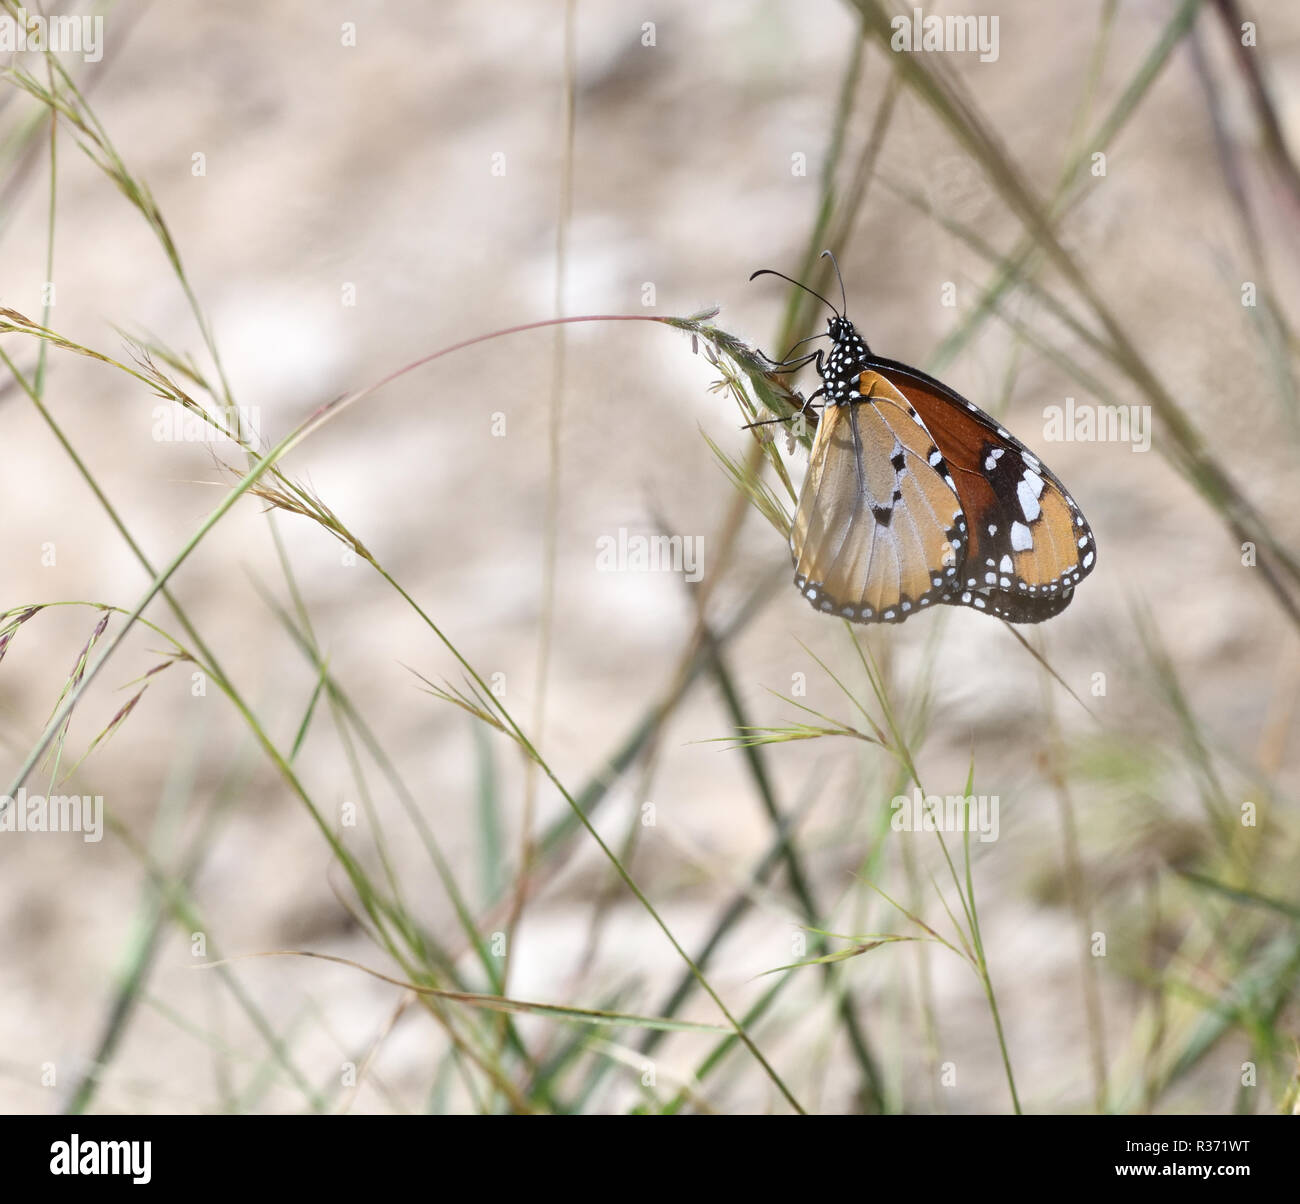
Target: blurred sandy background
x,y
373,166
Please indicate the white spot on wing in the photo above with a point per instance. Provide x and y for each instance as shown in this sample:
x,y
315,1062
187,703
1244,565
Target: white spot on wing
x,y
1029,506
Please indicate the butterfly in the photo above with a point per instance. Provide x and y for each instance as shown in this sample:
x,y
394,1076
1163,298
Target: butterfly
x,y
915,498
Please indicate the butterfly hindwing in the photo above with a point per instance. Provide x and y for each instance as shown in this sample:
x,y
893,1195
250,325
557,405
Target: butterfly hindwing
x,y
1029,543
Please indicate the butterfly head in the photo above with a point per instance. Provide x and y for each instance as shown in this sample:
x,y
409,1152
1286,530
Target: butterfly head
x,y
840,329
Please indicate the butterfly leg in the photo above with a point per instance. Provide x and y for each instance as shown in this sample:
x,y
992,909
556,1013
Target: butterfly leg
x,y
786,366
803,409
811,398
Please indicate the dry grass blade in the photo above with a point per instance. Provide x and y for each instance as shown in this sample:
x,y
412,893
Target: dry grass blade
x,y
492,1003
753,735
471,700
761,496
76,676
860,946
13,620
308,504
120,717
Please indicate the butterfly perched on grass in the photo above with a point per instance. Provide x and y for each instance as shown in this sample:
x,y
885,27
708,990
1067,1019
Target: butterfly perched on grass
x,y
915,498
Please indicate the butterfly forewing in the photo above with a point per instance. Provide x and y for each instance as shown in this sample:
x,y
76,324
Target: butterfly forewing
x,y
879,531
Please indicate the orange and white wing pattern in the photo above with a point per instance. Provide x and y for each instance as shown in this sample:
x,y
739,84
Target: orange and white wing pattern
x,y
879,533
1029,544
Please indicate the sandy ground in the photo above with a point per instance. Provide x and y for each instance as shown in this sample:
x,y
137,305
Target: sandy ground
x,y
417,174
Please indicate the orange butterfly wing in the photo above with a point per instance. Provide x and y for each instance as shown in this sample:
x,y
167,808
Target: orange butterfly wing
x,y
1029,542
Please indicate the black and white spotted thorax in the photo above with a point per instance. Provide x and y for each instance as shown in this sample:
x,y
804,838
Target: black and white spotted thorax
x,y
841,368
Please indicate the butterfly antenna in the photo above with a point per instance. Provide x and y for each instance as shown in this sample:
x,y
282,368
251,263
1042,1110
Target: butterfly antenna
x,y
844,302
806,289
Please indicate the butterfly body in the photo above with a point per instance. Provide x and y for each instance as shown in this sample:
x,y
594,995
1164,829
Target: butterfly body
x,y
916,498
